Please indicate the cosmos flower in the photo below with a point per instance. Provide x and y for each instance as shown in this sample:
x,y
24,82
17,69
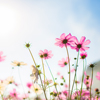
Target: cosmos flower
x,y
87,82
45,54
29,84
65,92
83,55
14,93
34,75
16,63
41,53
64,40
9,80
36,88
2,58
80,45
63,62
98,76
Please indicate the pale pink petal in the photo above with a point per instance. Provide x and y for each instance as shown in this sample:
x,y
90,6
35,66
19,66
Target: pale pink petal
x,y
85,48
57,39
75,40
45,51
98,77
63,59
98,73
1,53
86,42
82,39
63,36
68,36
40,52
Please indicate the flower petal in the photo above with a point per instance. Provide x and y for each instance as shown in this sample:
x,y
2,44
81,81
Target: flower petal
x,y
63,36
82,39
86,42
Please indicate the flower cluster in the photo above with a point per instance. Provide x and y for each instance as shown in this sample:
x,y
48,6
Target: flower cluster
x,y
48,89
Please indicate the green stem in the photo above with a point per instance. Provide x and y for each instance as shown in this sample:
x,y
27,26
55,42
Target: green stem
x,y
82,79
69,69
75,73
32,56
52,78
50,71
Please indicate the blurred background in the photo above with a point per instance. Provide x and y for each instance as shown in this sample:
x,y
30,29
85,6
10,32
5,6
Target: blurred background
x,y
39,22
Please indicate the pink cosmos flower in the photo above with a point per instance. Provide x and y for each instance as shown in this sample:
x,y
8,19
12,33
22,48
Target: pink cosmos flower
x,y
14,94
2,58
41,53
83,55
65,92
29,84
45,54
87,82
98,75
63,62
64,40
80,45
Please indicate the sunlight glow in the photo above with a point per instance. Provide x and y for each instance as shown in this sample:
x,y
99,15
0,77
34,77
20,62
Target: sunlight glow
x,y
7,20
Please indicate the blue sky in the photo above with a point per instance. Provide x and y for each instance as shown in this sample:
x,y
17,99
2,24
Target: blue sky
x,y
40,22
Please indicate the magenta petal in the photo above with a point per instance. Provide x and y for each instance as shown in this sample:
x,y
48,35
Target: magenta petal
x,y
82,49
63,36
68,36
82,39
86,42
